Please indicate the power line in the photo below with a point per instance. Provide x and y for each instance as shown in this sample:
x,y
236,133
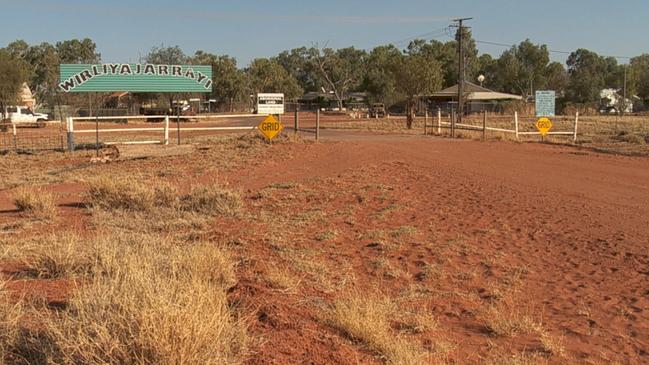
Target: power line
x,y
433,34
549,50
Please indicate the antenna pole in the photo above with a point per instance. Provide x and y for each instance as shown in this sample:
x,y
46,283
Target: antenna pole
x,y
460,78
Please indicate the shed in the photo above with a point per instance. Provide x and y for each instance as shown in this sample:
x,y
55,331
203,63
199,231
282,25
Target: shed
x,y
477,98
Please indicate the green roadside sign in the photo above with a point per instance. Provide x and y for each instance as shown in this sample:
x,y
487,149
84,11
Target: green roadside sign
x,y
135,77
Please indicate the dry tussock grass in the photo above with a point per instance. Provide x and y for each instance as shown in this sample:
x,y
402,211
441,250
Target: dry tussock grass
x,y
212,200
54,256
135,196
10,315
35,203
509,319
143,299
366,319
122,193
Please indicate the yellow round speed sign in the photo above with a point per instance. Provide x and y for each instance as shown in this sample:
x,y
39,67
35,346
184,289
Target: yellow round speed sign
x,y
544,125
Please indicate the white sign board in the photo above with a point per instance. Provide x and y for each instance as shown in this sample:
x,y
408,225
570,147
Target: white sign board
x,y
545,103
270,103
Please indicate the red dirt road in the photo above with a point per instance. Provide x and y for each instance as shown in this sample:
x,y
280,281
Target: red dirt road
x,y
568,228
576,221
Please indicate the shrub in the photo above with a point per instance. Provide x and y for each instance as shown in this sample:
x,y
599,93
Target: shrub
x,y
35,203
123,193
57,256
367,319
142,299
213,200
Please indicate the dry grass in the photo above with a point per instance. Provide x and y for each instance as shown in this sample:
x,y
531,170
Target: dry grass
x,y
55,256
113,193
144,300
10,315
366,319
213,200
552,344
509,320
35,203
281,278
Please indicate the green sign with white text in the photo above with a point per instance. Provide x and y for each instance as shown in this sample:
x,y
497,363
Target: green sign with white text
x,y
136,77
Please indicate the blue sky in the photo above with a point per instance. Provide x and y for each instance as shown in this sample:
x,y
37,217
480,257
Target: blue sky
x,y
125,30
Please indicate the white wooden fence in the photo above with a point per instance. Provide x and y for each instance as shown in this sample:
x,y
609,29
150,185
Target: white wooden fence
x,y
70,121
514,131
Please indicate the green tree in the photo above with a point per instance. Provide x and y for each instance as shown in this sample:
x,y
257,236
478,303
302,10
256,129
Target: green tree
x,y
522,69
639,76
380,80
173,55
556,78
587,74
78,51
297,62
44,62
447,55
229,83
17,48
416,75
13,74
268,76
340,70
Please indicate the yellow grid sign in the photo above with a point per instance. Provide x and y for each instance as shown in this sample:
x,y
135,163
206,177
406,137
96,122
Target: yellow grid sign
x,y
270,127
544,125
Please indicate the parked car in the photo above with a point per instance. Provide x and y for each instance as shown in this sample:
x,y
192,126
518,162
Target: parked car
x,y
23,116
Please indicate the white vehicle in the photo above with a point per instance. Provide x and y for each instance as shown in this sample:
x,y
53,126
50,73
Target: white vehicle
x,y
22,115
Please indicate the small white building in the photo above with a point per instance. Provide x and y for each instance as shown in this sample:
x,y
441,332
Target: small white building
x,y
612,102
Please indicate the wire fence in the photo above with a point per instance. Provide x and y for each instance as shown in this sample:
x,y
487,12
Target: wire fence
x,y
14,139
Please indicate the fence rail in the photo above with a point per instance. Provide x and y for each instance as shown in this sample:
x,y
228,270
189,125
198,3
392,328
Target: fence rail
x,y
71,131
484,127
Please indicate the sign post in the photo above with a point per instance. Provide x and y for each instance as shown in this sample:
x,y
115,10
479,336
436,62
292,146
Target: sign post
x,y
545,107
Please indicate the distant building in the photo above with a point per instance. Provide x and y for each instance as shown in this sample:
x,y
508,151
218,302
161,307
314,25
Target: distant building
x,y
612,102
353,100
477,98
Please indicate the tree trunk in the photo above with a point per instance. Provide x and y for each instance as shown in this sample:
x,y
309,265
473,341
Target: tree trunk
x,y
409,114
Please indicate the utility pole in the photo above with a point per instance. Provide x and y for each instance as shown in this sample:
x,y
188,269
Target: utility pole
x,y
624,93
460,78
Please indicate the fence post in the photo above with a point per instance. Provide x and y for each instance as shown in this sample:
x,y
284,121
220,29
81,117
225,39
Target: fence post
x,y
166,135
13,126
296,122
178,125
97,133
516,123
70,127
576,123
439,121
484,125
453,123
317,125
425,121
